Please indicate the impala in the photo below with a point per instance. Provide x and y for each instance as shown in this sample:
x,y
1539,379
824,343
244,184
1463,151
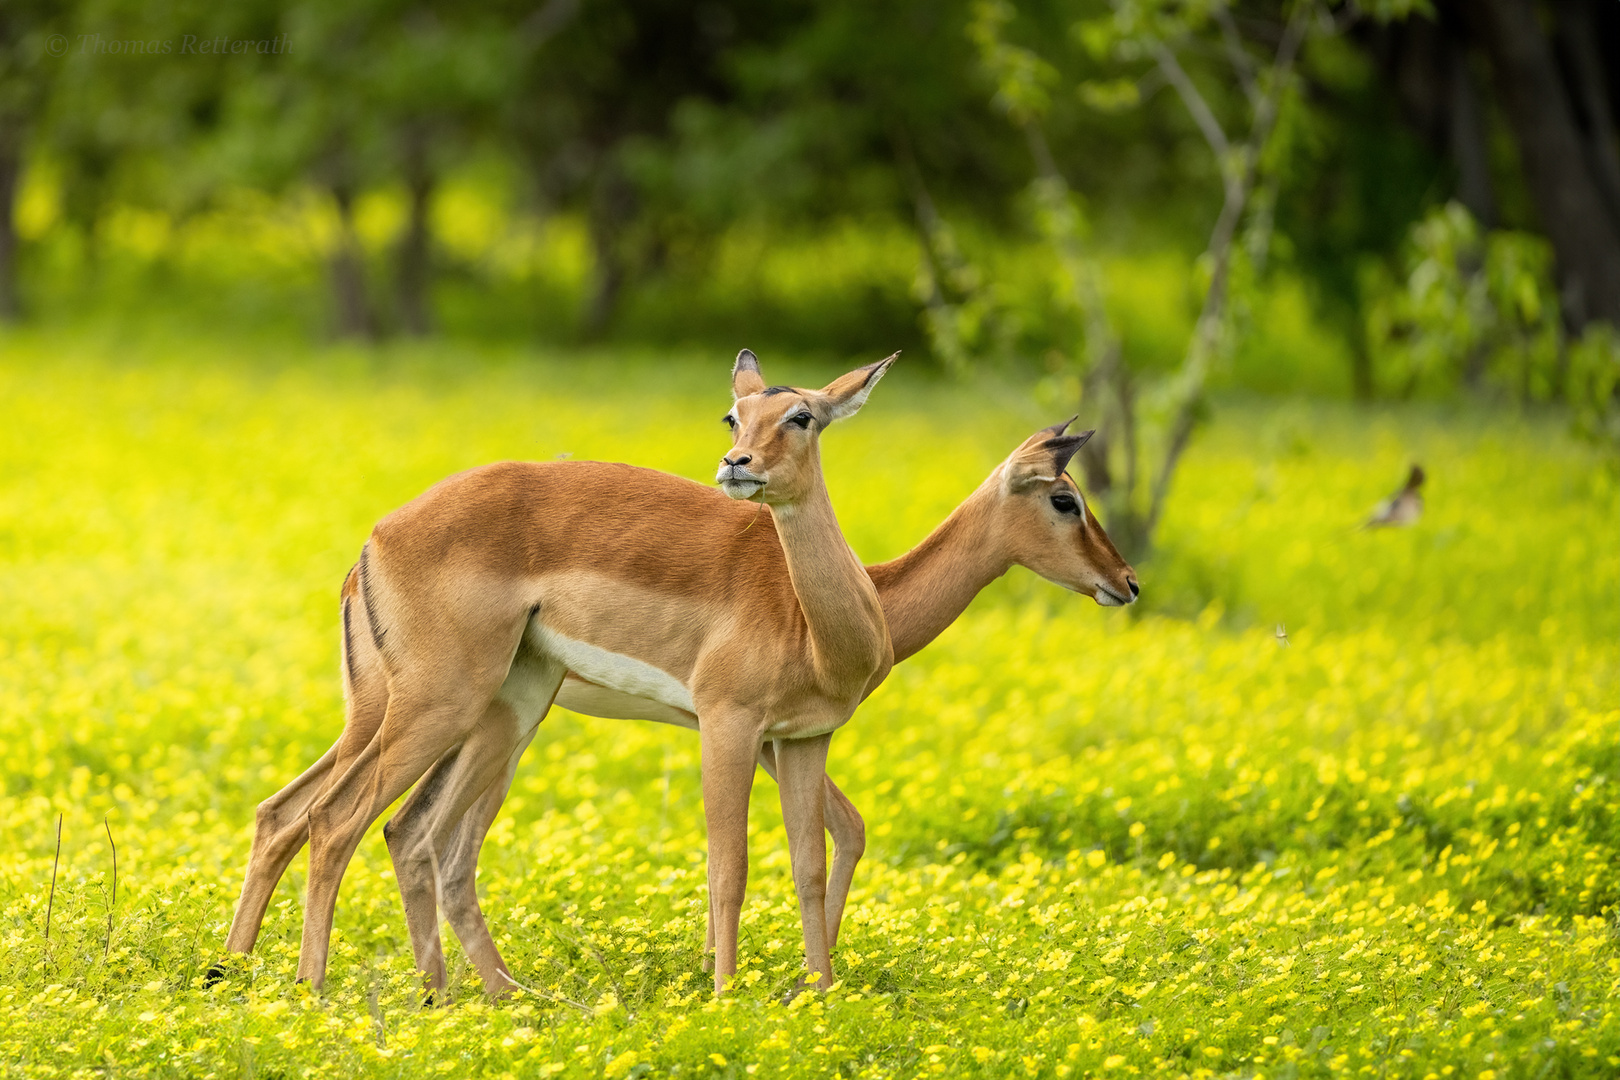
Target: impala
x,y
472,604
1027,512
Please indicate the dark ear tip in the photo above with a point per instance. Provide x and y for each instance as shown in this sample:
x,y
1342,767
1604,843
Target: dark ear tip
x,y
1058,429
746,361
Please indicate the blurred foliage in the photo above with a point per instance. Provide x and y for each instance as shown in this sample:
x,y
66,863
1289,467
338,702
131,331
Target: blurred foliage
x,y
1021,187
1099,840
1472,306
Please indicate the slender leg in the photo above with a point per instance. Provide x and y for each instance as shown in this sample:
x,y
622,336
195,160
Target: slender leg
x,y
848,833
425,824
282,822
729,753
280,829
801,774
458,879
849,844
416,731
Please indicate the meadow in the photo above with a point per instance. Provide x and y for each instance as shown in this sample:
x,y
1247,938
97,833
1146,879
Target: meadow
x,y
1153,842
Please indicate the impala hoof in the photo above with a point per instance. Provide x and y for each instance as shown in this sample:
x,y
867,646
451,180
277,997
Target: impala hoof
x,y
214,975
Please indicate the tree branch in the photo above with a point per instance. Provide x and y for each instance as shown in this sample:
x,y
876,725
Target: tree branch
x,y
1242,62
1240,177
1177,76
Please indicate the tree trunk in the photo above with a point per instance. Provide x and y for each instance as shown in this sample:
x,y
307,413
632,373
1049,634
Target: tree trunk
x,y
1577,44
351,311
611,207
10,171
413,265
1567,198
1469,148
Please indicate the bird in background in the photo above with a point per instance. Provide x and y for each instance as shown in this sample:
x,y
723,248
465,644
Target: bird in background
x,y
1402,508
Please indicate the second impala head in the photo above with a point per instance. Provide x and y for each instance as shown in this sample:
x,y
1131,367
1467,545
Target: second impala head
x,y
1050,529
774,430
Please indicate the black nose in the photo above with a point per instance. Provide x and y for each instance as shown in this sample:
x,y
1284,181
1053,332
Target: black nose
x,y
745,459
1135,590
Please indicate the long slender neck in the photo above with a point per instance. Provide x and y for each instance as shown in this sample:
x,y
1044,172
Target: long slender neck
x,y
839,602
926,589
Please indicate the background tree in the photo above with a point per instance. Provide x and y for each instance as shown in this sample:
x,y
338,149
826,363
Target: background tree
x,y
31,35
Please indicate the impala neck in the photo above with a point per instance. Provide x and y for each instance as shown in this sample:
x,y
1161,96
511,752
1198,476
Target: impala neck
x,y
926,589
839,602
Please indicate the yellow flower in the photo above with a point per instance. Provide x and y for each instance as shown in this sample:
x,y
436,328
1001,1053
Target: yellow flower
x,y
1096,859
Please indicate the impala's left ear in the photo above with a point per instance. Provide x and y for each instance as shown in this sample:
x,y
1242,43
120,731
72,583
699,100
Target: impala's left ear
x,y
846,394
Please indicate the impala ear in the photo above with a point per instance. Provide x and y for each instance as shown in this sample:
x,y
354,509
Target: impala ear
x,y
745,376
846,394
1058,429
1043,458
1065,447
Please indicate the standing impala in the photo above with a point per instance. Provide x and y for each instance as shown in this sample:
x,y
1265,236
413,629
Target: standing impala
x,y
1026,513
471,605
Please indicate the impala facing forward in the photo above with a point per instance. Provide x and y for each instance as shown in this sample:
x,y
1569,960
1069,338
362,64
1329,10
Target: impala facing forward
x,y
470,606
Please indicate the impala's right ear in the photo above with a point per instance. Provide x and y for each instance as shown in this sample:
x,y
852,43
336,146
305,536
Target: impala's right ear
x,y
745,376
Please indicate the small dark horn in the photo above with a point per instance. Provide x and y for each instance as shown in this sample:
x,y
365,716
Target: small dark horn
x,y
1058,429
746,361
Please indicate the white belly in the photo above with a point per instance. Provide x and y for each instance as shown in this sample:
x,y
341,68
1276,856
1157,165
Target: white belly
x,y
577,695
608,684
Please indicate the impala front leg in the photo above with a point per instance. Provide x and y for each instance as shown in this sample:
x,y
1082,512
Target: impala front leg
x,y
729,751
848,832
801,766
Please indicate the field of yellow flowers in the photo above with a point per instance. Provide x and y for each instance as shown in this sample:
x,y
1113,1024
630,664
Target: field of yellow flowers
x,y
1158,842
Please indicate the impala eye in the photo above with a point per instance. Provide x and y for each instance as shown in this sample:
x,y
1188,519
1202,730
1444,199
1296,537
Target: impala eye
x,y
1064,503
802,419
730,421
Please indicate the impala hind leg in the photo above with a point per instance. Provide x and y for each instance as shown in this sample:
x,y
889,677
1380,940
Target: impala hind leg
x,y
424,826
729,754
848,832
416,731
458,879
281,824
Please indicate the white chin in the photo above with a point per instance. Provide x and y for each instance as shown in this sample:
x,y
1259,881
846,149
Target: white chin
x,y
741,489
1106,599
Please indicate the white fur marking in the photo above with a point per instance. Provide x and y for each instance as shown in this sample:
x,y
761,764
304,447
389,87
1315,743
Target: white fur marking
x,y
613,670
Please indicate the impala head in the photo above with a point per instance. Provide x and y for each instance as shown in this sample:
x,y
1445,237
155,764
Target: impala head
x,y
1050,528
775,429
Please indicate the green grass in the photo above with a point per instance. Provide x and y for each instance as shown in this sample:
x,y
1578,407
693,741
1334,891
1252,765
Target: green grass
x,y
1108,843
